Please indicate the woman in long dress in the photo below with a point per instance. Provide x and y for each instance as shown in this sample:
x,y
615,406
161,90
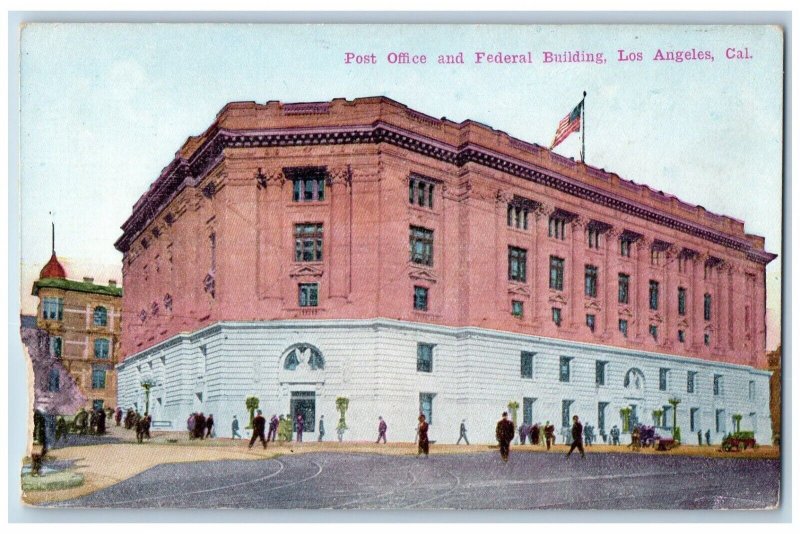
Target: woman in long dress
x,y
422,436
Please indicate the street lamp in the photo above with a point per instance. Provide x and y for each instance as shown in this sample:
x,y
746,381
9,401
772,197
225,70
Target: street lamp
x,y
147,384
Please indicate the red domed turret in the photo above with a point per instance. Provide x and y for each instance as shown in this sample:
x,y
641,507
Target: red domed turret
x,y
53,269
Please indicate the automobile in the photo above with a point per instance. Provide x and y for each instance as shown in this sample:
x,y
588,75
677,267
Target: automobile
x,y
739,441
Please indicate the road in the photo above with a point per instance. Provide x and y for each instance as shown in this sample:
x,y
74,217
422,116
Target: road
x,y
454,481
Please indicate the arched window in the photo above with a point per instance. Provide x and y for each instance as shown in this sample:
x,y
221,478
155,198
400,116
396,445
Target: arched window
x,y
634,379
54,379
304,356
100,316
101,348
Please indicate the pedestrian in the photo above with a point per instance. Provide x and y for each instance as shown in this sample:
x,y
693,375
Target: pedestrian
x,y
258,430
190,423
422,436
504,432
273,427
118,416
381,430
577,437
699,438
101,422
129,419
523,433
708,437
300,423
235,428
80,421
146,422
199,425
549,434
462,432
535,434
139,425
587,434
93,422
615,435
636,437
210,425
61,428
321,428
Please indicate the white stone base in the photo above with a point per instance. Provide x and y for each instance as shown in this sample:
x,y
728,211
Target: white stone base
x,y
476,373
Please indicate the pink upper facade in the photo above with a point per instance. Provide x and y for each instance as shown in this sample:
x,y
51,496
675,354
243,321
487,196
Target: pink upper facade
x,y
213,239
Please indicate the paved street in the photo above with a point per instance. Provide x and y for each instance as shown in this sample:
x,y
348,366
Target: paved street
x,y
470,481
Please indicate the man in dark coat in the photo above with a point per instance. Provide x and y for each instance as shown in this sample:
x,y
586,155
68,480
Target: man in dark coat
x,y
146,421
300,427
209,425
129,419
101,422
462,432
535,434
118,416
504,434
61,428
699,437
273,428
549,434
577,437
422,436
259,423
199,425
381,430
708,437
321,428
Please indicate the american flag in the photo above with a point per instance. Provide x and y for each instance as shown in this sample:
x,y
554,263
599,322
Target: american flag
x,y
570,123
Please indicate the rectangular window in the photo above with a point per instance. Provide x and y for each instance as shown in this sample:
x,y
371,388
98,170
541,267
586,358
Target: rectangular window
x,y
98,377
623,327
424,358
309,187
421,245
691,376
426,406
666,418
420,192
681,336
717,384
653,295
556,316
517,264
308,242
517,217
593,235
308,295
55,346
694,419
681,301
526,364
720,423
556,273
54,382
625,247
601,416
420,298
53,309
751,390
527,410
654,332
565,413
556,226
590,281
563,368
624,282
101,349
590,321
707,307
600,372
663,375
517,308
655,257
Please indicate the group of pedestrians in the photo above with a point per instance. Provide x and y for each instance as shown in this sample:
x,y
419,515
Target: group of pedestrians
x,y
536,434
200,426
504,433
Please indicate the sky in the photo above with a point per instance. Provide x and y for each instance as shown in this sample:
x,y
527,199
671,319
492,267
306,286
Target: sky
x,y
104,108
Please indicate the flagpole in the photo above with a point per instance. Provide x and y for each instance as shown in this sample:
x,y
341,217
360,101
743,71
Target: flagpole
x,y
583,128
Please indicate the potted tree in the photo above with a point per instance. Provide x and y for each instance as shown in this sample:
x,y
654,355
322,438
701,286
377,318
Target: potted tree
x,y
251,403
625,415
676,431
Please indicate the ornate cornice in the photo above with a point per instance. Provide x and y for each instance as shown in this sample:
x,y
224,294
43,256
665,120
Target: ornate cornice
x,y
180,172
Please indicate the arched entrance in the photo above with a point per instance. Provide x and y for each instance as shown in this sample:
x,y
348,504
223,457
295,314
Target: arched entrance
x,y
301,374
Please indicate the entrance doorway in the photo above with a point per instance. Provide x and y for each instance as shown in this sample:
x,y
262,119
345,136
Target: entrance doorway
x,y
303,402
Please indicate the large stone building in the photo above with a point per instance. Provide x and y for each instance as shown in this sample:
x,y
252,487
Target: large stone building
x,y
82,323
361,249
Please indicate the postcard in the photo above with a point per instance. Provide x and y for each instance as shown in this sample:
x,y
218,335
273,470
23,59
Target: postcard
x,y
401,267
